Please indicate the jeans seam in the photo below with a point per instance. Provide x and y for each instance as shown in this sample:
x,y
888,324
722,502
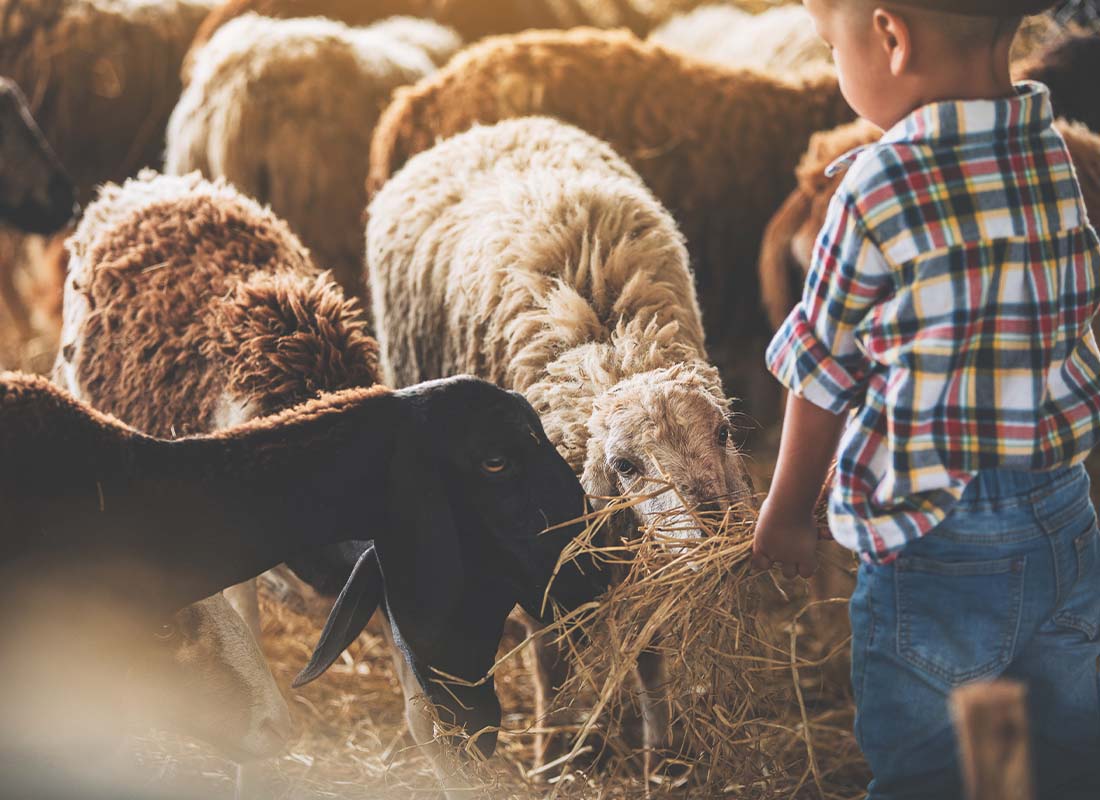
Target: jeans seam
x,y
863,660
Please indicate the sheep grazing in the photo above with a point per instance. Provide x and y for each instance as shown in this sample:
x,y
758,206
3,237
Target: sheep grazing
x,y
1069,65
101,75
789,239
780,40
453,480
300,144
530,254
717,146
473,19
190,308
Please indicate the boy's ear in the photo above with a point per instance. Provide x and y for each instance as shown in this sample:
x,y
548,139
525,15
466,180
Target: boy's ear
x,y
894,35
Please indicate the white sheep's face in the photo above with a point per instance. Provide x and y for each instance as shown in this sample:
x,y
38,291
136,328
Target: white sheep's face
x,y
666,435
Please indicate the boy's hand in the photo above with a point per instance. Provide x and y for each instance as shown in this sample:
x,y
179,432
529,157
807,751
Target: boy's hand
x,y
787,539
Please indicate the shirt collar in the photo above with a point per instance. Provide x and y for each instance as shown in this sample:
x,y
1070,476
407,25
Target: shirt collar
x,y
951,121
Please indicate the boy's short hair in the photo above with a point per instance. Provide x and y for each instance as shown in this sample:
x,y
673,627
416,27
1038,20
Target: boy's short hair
x,y
982,8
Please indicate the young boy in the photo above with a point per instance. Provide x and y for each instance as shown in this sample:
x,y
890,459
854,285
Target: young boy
x,y
943,352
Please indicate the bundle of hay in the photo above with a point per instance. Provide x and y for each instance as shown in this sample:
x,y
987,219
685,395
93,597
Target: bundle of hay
x,y
752,715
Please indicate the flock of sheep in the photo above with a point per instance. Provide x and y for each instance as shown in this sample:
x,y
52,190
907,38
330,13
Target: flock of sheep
x,y
602,229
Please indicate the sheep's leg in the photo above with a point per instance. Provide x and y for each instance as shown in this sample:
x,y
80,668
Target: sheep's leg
x,y
453,777
255,781
651,679
550,669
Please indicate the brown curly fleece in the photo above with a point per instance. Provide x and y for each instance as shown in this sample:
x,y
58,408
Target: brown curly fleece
x,y
197,296
287,337
717,146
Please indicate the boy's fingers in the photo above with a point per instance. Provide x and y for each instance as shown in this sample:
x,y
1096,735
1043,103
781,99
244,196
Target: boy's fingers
x,y
807,568
761,562
790,570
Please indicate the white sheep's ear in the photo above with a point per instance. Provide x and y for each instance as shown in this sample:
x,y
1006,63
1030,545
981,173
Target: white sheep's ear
x,y
419,550
353,609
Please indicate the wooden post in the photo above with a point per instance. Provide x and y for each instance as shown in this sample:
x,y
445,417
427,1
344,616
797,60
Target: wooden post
x,y
991,723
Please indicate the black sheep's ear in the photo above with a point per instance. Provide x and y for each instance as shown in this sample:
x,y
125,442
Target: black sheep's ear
x,y
474,708
352,611
419,550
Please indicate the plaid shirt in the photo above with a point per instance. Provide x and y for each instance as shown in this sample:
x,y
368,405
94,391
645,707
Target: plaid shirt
x,y
948,306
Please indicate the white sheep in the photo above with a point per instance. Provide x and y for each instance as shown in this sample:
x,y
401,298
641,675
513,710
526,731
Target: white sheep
x,y
530,254
285,110
781,40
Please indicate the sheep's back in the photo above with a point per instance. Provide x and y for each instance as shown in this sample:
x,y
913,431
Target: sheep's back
x,y
284,109
497,249
717,146
473,19
147,262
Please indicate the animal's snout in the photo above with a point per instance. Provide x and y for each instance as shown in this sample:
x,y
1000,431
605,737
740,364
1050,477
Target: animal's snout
x,y
711,508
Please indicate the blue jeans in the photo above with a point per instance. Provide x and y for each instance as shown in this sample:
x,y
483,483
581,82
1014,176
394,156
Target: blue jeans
x,y
1008,585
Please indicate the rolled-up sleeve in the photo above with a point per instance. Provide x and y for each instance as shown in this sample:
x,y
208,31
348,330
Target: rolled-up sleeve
x,y
815,353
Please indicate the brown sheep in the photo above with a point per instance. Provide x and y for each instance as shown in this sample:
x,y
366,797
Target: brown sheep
x,y
473,19
101,77
716,146
220,299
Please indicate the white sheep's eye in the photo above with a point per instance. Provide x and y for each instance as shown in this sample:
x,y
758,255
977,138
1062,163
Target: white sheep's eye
x,y
624,467
494,465
166,632
723,435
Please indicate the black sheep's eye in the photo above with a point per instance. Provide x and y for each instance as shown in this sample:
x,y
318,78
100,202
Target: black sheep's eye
x,y
166,632
723,435
494,465
624,467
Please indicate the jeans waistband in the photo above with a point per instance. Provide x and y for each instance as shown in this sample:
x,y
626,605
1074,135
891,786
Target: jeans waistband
x,y
991,487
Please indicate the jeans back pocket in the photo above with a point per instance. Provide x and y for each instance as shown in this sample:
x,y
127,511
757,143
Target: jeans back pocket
x,y
958,621
1080,610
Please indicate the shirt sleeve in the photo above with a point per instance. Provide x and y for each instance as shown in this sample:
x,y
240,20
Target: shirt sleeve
x,y
815,353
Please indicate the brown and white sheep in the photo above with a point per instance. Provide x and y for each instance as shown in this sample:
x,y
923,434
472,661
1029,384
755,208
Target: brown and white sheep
x,y
717,147
223,314
284,109
530,254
